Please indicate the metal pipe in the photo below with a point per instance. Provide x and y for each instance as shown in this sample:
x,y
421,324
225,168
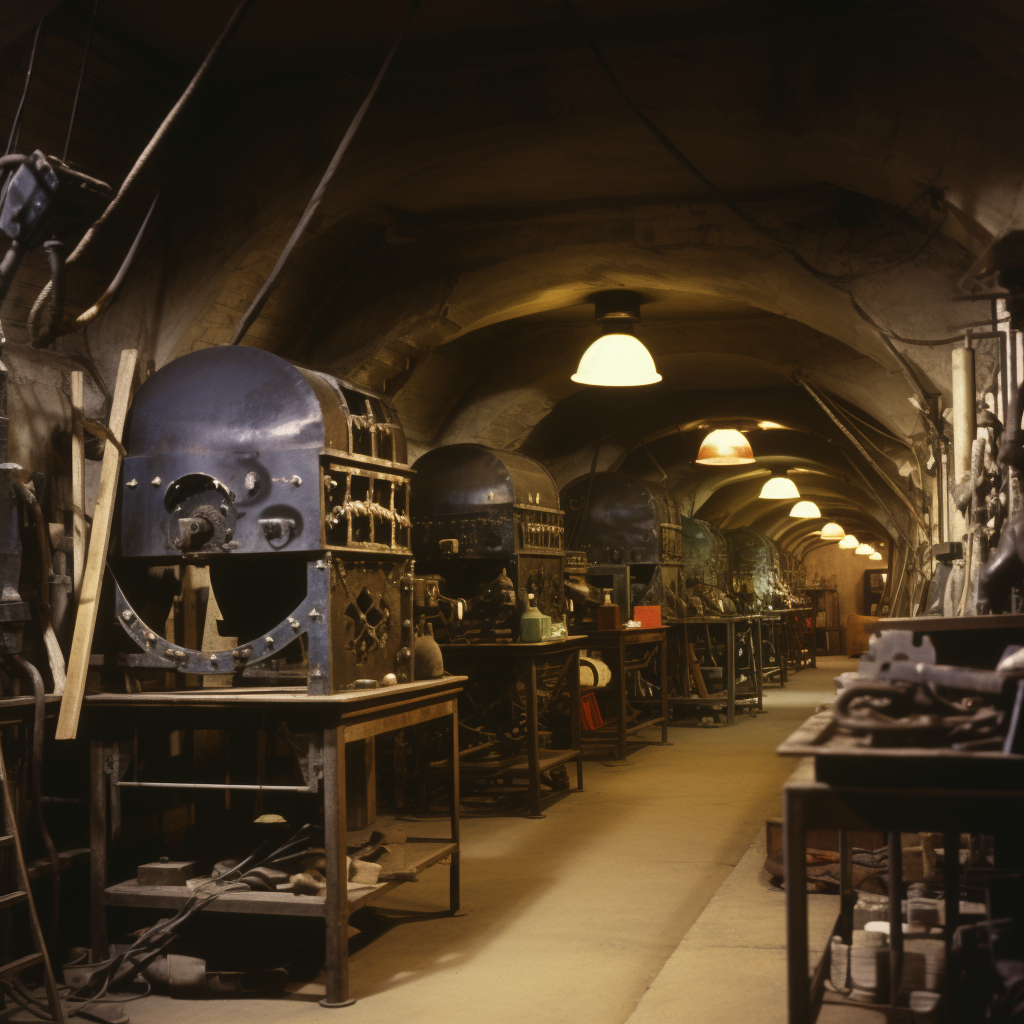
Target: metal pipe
x,y
964,425
218,785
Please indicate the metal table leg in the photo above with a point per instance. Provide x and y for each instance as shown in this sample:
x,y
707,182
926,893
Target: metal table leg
x,y
533,740
98,849
847,893
622,751
574,716
759,666
951,878
895,915
336,851
730,672
454,877
794,854
664,690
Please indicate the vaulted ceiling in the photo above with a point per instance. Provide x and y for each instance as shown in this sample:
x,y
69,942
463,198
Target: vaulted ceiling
x,y
862,158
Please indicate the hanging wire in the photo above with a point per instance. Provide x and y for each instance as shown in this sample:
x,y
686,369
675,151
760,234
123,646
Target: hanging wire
x,y
81,77
263,294
143,158
24,90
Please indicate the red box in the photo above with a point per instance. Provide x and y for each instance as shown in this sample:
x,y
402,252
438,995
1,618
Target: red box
x,y
648,614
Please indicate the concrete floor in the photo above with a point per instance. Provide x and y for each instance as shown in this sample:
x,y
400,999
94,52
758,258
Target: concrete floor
x,y
573,917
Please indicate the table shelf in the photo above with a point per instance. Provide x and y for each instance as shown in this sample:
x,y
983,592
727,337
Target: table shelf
x,y
518,766
283,904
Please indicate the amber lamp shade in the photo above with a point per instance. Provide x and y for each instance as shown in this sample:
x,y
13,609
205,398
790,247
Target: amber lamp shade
x,y
725,448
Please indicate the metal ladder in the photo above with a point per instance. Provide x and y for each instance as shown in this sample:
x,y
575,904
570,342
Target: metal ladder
x,y
24,895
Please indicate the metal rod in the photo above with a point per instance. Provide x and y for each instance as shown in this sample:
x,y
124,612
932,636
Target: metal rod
x,y
219,785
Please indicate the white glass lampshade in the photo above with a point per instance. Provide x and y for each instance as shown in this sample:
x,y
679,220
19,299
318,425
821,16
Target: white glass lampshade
x,y
805,510
875,557
779,487
863,549
617,361
832,531
725,448
849,541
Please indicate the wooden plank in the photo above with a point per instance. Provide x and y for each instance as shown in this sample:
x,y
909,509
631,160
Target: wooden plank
x,y
77,482
376,726
231,696
96,557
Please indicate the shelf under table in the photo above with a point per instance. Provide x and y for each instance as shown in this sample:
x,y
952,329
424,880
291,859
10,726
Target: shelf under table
x,y
287,904
611,732
518,766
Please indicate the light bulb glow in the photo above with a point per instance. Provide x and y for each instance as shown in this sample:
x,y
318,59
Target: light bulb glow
x,y
874,557
863,549
832,531
726,447
617,361
777,488
805,510
849,541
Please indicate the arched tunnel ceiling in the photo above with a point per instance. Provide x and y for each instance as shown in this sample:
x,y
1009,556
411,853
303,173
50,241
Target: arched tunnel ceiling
x,y
499,181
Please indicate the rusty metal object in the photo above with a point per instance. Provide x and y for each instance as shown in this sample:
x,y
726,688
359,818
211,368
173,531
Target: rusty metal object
x,y
899,695
292,487
488,527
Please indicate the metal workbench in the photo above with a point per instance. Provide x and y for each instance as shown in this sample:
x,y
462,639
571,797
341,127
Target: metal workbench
x,y
482,664
749,699
616,646
336,720
847,786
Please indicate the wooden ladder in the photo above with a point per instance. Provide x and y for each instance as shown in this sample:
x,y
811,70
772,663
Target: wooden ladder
x,y
24,895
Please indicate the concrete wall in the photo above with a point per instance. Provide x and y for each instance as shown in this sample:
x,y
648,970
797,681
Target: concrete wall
x,y
848,569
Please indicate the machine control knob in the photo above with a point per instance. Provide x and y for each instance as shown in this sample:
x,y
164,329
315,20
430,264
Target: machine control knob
x,y
193,532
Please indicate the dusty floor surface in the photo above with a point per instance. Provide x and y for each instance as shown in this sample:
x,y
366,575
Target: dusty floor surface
x,y
571,918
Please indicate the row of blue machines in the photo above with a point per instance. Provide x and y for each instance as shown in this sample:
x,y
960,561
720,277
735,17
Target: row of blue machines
x,y
490,527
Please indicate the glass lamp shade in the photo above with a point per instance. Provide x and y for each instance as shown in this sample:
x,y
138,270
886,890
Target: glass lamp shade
x,y
617,361
779,487
832,531
863,549
874,557
849,541
805,510
725,448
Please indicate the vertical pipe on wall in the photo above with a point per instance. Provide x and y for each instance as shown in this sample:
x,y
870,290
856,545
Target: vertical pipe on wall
x,y
964,425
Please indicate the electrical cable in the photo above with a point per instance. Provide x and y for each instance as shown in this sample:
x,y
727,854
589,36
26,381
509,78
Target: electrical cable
x,y
24,91
81,77
58,327
143,158
922,525
257,304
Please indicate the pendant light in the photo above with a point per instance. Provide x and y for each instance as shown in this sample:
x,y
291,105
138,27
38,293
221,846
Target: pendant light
x,y
617,359
805,510
725,447
849,541
777,487
863,549
874,557
832,531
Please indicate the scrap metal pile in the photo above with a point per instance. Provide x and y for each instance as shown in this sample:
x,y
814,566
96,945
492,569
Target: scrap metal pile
x,y
899,696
